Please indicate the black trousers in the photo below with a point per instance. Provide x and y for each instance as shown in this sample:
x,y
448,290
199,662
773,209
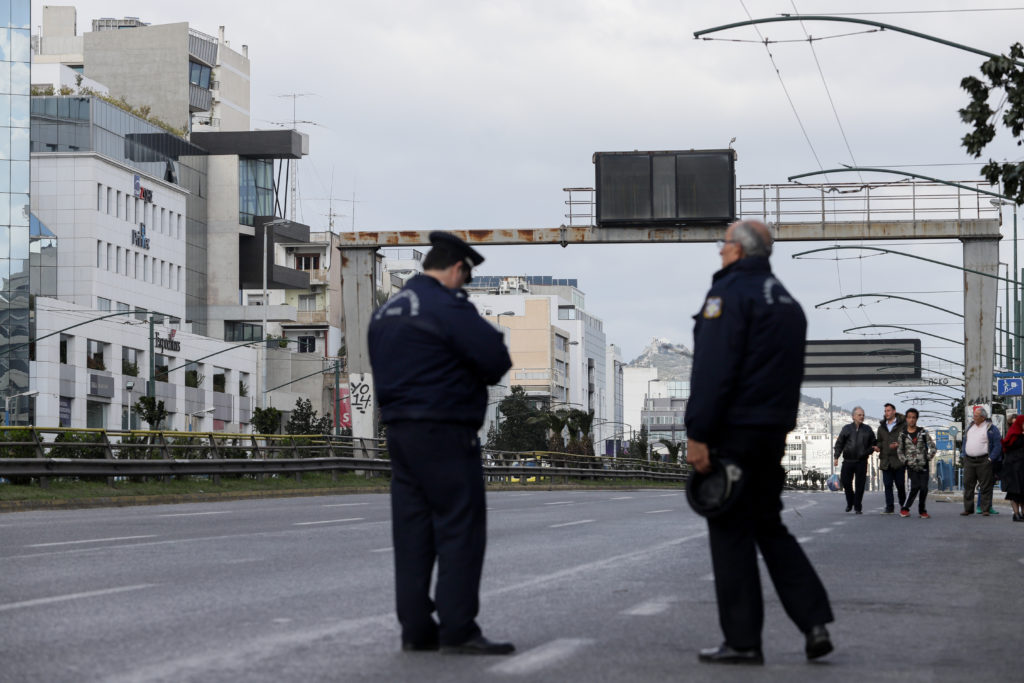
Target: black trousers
x,y
853,477
918,484
897,476
438,513
755,523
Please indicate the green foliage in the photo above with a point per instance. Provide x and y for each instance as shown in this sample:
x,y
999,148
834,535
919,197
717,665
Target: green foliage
x,y
142,112
243,388
151,411
128,368
79,445
999,73
41,90
194,379
304,420
638,444
16,435
176,448
517,431
673,449
266,421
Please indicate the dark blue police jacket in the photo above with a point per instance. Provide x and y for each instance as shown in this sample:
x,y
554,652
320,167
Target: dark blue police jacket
x,y
433,356
748,356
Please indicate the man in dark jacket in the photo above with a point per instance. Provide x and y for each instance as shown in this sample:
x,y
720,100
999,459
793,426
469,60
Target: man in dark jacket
x,y
748,364
894,470
433,358
856,443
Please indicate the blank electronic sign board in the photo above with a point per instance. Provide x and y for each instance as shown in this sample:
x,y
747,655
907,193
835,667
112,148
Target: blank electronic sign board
x,y
666,188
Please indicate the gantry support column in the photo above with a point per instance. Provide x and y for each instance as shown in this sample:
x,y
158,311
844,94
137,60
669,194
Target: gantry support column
x,y
358,296
980,293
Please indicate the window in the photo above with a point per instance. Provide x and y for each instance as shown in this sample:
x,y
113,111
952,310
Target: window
x,y
255,300
163,364
235,331
99,254
307,261
307,302
110,256
117,205
307,344
561,343
220,379
122,307
99,196
102,304
110,200
199,74
118,262
95,415
65,346
140,313
130,361
94,360
567,313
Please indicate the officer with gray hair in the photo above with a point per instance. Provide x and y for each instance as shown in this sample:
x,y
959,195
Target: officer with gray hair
x,y
748,363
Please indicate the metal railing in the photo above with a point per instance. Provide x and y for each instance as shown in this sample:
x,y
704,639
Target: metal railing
x,y
861,202
29,453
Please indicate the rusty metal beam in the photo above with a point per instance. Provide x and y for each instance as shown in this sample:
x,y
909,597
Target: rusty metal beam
x,y
785,232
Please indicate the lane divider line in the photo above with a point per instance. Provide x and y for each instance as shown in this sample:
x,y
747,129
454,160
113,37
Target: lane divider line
x,y
330,521
654,512
90,540
651,607
73,596
196,514
342,505
582,521
538,658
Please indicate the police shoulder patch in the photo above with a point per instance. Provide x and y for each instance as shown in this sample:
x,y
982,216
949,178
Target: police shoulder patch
x,y
712,307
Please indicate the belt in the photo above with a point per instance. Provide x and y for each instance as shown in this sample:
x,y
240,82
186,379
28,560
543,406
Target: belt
x,y
975,457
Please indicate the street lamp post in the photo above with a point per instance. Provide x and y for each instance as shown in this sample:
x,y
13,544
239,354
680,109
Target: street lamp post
x,y
266,302
129,386
7,404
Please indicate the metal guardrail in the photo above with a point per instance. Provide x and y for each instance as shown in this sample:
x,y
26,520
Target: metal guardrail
x,y
111,453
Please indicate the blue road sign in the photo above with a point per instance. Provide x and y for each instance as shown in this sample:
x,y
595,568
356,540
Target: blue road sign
x,y
1010,386
943,440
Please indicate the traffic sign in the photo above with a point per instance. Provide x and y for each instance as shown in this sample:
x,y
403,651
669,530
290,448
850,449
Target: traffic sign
x,y
1010,386
943,440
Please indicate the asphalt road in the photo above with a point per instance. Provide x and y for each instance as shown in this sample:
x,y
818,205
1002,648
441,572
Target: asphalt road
x,y
590,585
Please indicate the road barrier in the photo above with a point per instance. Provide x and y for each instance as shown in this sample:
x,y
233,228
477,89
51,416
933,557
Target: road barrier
x,y
28,453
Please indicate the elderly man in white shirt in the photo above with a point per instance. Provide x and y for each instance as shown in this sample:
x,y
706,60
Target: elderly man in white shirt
x,y
982,444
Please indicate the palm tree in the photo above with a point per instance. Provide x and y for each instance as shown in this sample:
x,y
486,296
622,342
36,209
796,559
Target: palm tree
x,y
580,439
555,422
673,449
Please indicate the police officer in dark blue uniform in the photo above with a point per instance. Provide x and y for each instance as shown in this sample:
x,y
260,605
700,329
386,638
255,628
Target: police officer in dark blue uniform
x,y
433,358
748,363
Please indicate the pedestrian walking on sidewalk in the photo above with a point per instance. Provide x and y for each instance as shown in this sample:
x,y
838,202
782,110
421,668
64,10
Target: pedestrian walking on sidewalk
x,y
855,443
894,471
916,450
1013,467
982,445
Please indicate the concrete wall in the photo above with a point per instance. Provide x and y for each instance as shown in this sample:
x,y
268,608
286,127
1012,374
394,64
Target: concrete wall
x,y
222,234
232,99
146,65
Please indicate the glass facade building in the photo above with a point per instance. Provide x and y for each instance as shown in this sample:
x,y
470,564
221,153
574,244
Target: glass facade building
x,y
15,59
75,124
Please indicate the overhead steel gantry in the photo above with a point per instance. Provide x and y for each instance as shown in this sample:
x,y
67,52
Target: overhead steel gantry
x,y
980,238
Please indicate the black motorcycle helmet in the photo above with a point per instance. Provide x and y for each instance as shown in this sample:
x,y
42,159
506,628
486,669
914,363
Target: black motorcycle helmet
x,y
713,494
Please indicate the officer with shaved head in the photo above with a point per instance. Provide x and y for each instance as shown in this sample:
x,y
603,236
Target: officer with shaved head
x,y
748,363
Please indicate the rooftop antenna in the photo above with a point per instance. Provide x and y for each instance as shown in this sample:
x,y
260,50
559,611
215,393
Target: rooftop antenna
x,y
293,171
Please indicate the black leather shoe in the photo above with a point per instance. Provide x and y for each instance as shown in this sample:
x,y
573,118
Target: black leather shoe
x,y
724,654
819,643
849,507
478,646
428,646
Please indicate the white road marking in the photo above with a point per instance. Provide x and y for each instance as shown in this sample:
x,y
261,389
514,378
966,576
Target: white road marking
x,y
654,512
803,539
582,521
91,540
666,495
72,596
196,514
343,505
839,523
532,661
823,530
560,502
622,498
651,607
331,521
708,577
382,550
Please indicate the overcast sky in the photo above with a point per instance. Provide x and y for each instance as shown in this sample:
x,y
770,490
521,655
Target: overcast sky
x,y
469,114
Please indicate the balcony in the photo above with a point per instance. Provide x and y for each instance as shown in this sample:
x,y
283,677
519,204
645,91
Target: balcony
x,y
312,317
318,276
199,99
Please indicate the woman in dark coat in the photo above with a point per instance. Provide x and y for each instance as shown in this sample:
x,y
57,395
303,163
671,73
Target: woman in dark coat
x,y
1013,467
